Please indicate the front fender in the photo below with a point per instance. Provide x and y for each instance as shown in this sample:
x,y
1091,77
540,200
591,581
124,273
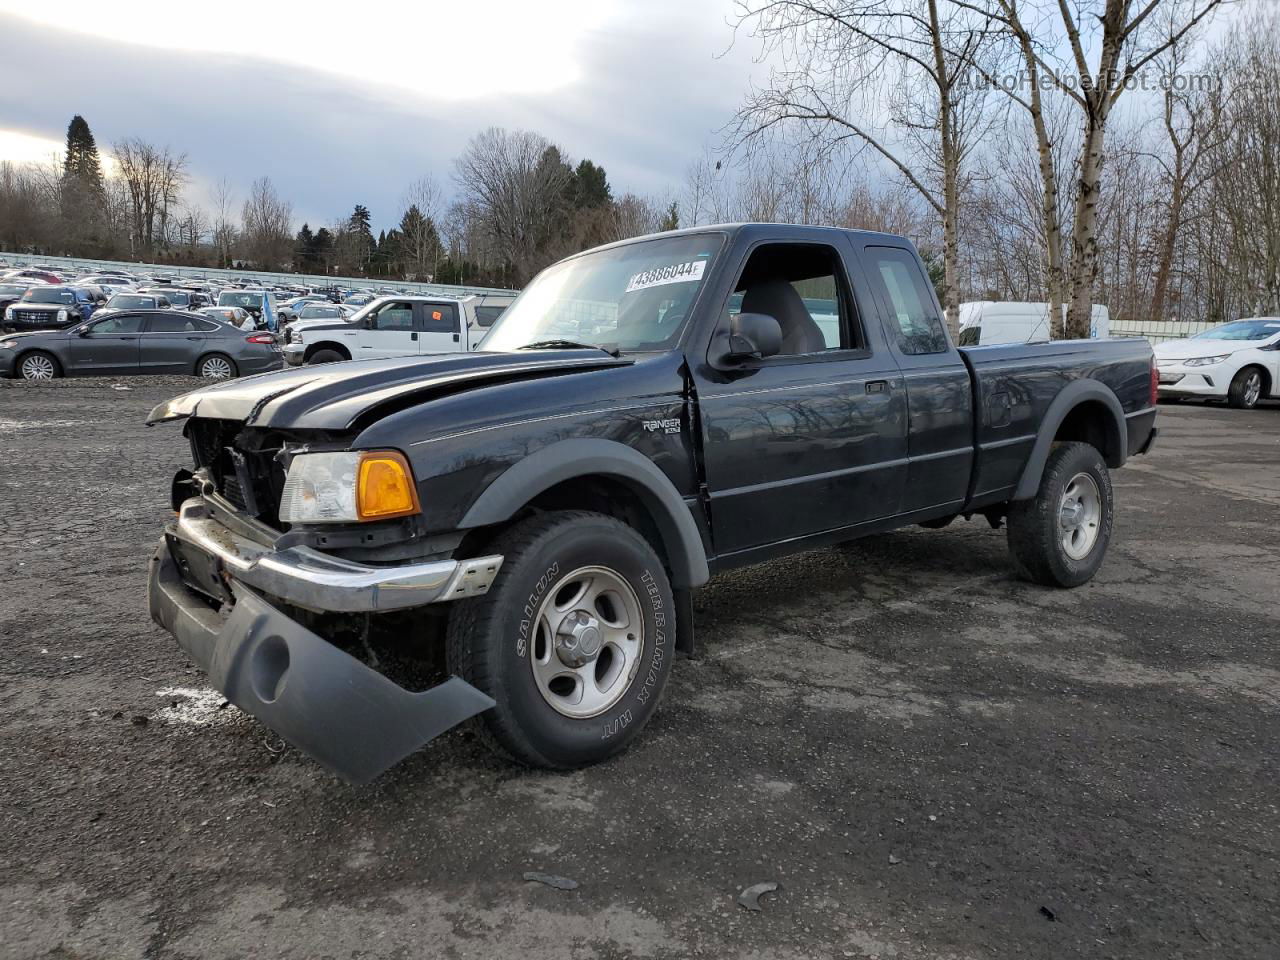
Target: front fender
x,y
582,457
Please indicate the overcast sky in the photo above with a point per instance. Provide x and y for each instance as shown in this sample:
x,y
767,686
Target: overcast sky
x,y
348,106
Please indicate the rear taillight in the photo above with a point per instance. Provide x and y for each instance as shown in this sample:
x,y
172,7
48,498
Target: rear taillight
x,y
1155,383
260,338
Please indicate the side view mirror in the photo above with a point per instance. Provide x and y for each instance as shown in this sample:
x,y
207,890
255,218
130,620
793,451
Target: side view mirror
x,y
83,332
751,336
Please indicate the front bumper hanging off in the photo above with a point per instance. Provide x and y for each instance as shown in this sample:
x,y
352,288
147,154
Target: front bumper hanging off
x,y
340,712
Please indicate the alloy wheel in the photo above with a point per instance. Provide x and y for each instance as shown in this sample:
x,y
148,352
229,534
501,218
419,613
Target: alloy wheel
x,y
38,367
215,368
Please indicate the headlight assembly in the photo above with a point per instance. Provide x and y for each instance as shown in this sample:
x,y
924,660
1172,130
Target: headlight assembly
x,y
1205,361
348,487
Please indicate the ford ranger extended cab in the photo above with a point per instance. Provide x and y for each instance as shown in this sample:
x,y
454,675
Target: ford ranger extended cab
x,y
645,415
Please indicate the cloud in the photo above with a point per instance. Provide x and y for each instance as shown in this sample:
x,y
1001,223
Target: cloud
x,y
645,90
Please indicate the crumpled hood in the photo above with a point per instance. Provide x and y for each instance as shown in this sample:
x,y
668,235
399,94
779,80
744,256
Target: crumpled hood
x,y
334,396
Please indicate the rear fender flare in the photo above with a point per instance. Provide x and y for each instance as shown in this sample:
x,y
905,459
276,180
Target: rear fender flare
x,y
583,457
1070,397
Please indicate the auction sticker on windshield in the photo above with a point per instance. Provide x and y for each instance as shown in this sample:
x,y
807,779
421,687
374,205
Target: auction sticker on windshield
x,y
686,272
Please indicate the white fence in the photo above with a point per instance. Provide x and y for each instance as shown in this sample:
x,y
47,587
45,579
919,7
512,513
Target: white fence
x,y
257,276
1158,331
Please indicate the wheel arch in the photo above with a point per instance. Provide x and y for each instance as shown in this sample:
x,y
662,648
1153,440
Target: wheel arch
x,y
18,358
575,464
235,367
333,345
1085,410
1268,386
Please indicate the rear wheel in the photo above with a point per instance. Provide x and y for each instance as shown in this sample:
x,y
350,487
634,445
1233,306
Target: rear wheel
x,y
216,366
574,640
39,366
1059,538
1246,389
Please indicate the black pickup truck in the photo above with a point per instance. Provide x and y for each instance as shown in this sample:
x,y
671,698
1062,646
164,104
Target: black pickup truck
x,y
645,415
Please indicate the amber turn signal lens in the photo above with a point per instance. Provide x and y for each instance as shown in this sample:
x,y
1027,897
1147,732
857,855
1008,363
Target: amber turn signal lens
x,y
385,487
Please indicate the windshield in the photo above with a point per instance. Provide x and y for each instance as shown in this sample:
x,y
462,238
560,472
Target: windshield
x,y
633,297
238,298
1242,330
48,295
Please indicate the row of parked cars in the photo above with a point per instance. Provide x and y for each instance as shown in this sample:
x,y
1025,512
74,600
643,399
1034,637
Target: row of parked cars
x,y
55,325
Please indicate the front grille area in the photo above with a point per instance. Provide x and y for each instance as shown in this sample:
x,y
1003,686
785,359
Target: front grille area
x,y
242,464
35,316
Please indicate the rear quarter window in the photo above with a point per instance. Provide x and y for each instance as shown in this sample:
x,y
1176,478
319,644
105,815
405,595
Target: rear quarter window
x,y
914,323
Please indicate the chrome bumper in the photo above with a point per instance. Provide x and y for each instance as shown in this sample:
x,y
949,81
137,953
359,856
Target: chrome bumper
x,y
317,581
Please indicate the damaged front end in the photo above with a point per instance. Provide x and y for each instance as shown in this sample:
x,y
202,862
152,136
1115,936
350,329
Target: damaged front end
x,y
254,605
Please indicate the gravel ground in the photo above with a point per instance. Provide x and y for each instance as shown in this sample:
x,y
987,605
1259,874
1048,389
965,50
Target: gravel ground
x,y
931,759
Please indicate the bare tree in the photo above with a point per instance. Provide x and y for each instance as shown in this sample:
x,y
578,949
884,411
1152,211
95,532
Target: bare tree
x,y
154,178
843,61
516,183
420,225
224,228
266,226
1127,36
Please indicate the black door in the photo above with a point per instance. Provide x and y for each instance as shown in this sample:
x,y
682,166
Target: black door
x,y
813,439
109,346
939,386
171,343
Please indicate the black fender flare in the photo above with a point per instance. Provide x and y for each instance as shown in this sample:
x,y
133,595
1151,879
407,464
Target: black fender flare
x,y
1070,397
582,457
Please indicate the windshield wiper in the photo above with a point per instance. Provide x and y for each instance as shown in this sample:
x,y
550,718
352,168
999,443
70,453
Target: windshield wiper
x,y
568,345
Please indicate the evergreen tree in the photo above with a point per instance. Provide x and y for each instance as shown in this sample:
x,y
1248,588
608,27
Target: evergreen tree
x,y
591,186
82,162
671,219
304,249
321,251
364,245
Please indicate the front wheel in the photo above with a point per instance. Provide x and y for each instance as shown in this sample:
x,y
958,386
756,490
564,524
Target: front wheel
x,y
1245,389
1059,537
574,640
326,356
38,366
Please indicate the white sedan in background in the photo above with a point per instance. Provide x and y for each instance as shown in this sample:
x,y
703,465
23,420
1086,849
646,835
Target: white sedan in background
x,y
1237,361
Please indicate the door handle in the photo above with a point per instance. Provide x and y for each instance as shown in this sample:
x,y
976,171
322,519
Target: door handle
x,y
414,335
877,386
455,338
193,338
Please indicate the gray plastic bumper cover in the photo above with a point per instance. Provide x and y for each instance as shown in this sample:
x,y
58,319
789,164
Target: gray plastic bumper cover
x,y
341,713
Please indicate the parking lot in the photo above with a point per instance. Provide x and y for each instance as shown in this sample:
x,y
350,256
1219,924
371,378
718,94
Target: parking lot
x,y
930,758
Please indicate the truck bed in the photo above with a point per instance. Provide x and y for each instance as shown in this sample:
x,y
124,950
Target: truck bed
x,y
1015,388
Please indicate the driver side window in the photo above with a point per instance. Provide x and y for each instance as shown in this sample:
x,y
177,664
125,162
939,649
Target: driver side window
x,y
125,323
803,287
394,316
